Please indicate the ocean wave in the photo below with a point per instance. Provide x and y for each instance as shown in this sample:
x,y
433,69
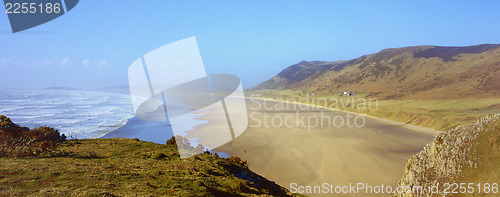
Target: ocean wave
x,y
79,113
9,108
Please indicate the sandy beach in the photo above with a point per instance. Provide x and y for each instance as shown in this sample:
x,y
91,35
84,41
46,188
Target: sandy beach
x,y
305,145
313,153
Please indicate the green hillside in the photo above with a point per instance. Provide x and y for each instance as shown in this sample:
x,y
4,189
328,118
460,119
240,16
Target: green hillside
x,y
118,167
429,86
421,72
126,167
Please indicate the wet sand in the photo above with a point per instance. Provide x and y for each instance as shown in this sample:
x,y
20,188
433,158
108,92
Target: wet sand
x,y
286,150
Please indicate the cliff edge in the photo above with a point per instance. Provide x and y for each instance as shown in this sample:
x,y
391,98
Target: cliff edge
x,y
465,154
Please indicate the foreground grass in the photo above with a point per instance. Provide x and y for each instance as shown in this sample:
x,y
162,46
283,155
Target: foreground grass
x,y
127,167
436,114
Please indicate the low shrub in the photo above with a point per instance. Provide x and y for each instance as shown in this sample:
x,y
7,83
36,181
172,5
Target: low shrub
x,y
171,141
183,144
158,156
17,141
237,160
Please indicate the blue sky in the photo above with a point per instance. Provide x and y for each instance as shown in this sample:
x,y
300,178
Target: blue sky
x,y
93,45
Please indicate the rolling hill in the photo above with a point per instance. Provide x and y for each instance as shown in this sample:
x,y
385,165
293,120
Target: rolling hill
x,y
419,72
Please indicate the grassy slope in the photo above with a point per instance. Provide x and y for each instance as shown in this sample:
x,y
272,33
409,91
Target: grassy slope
x,y
124,167
399,73
435,87
488,152
436,114
459,156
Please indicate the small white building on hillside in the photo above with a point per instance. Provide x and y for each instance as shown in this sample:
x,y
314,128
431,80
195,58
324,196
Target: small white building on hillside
x,y
348,93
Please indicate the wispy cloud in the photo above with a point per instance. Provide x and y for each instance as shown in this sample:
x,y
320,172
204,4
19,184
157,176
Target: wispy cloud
x,y
46,62
5,62
86,62
65,71
92,63
103,62
64,63
55,63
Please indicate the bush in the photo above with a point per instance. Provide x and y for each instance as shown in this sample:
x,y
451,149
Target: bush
x,y
237,160
158,156
183,143
171,141
16,141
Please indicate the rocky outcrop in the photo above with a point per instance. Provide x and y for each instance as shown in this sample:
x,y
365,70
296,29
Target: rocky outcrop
x,y
443,160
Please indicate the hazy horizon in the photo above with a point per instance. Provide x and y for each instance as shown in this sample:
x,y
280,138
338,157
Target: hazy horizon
x,y
92,46
126,86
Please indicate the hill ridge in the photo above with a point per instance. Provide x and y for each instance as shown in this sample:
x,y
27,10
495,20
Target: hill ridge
x,y
415,71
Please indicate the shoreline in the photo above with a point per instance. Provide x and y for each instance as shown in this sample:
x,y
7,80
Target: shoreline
x,y
409,126
157,132
376,153
138,126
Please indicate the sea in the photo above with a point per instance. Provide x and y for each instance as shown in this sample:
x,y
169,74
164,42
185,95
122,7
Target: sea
x,y
75,113
83,114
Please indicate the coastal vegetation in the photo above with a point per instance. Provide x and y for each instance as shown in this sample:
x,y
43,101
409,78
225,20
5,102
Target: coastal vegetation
x,y
462,161
438,114
430,86
17,141
127,167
